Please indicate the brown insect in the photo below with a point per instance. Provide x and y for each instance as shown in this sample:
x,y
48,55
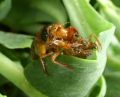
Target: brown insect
x,y
56,39
82,47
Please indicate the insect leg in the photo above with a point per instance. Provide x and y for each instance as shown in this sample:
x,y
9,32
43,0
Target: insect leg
x,y
46,55
44,66
54,56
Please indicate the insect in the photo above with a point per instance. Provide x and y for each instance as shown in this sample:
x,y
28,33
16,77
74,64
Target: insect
x,y
81,48
56,39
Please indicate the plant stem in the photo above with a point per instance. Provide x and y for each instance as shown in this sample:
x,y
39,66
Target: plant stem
x,y
15,73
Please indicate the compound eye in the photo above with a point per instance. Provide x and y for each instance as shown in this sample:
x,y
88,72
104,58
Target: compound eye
x,y
44,34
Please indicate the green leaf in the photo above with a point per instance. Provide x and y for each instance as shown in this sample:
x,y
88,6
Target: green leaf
x,y
3,80
111,13
99,89
113,63
52,7
14,41
33,28
61,82
112,71
34,12
113,81
2,95
5,6
81,15
116,2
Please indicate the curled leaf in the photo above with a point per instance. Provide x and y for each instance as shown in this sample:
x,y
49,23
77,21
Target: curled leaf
x,y
62,82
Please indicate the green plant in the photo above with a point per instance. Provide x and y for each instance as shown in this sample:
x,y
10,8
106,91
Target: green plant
x,y
21,19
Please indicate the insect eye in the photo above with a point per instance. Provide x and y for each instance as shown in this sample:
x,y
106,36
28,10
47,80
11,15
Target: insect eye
x,y
44,34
